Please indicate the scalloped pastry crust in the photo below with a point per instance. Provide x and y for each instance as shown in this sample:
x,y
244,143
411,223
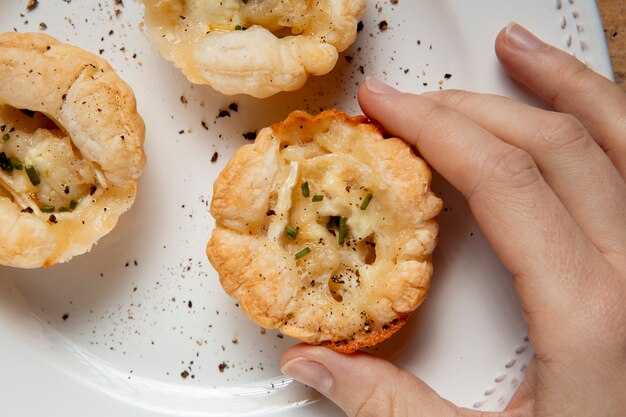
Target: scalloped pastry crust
x,y
69,120
348,295
255,47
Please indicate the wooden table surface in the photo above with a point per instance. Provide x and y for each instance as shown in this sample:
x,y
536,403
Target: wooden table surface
x,y
614,17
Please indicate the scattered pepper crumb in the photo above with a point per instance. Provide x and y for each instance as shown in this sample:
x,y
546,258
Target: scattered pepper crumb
x,y
32,5
250,135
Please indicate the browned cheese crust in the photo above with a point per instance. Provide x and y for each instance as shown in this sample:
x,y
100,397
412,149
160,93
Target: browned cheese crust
x,y
281,253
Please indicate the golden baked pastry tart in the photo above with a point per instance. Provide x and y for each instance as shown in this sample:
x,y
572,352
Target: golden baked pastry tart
x,y
325,230
255,47
71,150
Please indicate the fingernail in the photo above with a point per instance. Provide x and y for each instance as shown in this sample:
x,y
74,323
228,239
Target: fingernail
x,y
379,87
516,36
309,373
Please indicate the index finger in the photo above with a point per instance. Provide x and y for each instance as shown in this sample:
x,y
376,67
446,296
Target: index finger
x,y
518,212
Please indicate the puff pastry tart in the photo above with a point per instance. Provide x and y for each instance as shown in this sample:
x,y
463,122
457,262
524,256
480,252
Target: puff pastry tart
x,y
256,47
325,230
71,150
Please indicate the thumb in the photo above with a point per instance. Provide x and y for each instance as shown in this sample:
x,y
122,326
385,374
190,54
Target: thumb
x,y
363,385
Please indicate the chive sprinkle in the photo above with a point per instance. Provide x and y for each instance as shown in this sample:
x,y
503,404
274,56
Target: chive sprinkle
x,y
291,232
47,209
64,210
305,189
6,137
366,202
238,27
304,252
317,198
332,221
15,163
342,230
73,204
33,176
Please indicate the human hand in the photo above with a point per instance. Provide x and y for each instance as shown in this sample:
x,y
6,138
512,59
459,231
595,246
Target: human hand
x,y
548,190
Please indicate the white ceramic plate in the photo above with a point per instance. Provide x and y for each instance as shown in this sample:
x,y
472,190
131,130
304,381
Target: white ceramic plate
x,y
145,305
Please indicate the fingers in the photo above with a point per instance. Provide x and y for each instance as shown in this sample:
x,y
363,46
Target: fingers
x,y
522,218
575,167
570,86
363,385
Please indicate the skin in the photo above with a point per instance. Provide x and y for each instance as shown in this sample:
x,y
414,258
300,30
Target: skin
x,y
553,180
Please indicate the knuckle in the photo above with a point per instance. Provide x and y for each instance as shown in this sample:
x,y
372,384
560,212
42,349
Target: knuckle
x,y
387,398
454,97
438,114
559,132
514,168
572,74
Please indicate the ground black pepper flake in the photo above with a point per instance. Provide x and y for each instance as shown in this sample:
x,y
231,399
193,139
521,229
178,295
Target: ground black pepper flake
x,y
53,219
359,27
222,366
234,107
383,25
204,125
32,5
43,26
214,157
250,135
223,113
184,374
189,304
65,316
447,76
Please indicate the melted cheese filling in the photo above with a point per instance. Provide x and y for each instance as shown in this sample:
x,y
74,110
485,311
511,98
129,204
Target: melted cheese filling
x,y
32,140
337,280
228,15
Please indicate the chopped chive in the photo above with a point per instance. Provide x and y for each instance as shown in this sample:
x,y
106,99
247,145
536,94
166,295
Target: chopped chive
x,y
47,209
15,163
366,202
5,163
291,232
342,230
64,210
237,27
6,137
33,176
73,204
304,252
305,189
317,198
332,221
